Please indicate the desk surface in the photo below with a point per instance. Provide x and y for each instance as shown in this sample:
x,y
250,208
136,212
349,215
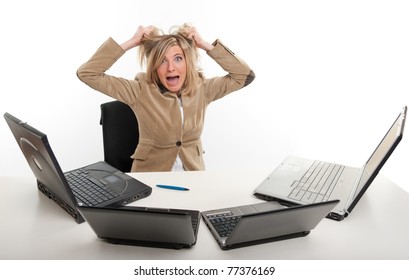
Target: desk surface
x,y
33,227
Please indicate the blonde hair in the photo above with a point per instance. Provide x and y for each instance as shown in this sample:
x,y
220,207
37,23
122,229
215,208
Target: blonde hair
x,y
153,48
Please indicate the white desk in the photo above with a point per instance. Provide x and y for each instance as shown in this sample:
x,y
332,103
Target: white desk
x,y
34,227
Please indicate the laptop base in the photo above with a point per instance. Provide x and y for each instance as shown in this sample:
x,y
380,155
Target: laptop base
x,y
331,215
67,208
162,245
266,240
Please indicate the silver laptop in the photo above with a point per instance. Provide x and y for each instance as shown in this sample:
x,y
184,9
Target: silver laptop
x,y
258,223
303,181
97,184
142,226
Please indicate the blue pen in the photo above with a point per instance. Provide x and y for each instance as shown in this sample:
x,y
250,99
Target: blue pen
x,y
172,187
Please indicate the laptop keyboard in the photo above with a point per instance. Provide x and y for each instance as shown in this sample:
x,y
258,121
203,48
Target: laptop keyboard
x,y
88,191
317,183
224,222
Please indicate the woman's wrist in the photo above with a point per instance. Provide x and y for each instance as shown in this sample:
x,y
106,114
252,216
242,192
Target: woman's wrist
x,y
127,45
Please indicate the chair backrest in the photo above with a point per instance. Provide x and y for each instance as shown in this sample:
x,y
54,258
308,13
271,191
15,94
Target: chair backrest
x,y
120,134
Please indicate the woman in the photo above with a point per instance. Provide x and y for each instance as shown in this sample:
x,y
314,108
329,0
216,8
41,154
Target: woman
x,y
171,97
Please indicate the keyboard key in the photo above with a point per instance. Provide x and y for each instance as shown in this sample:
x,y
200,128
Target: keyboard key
x,y
317,183
224,223
87,191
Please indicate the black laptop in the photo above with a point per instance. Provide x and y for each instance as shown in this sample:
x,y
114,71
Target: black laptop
x,y
258,223
142,226
98,184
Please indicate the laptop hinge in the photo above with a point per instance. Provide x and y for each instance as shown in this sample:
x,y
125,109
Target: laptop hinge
x,y
356,184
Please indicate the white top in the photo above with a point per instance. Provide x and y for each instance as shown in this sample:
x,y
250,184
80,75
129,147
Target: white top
x,y
178,166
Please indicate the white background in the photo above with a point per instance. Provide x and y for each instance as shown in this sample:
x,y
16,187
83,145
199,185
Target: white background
x,y
331,77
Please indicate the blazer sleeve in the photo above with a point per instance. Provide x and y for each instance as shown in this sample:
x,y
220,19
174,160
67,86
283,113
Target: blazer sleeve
x,y
239,73
93,73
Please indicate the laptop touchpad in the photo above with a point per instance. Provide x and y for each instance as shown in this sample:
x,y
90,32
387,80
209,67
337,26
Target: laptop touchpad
x,y
115,183
268,206
259,207
112,179
247,209
290,167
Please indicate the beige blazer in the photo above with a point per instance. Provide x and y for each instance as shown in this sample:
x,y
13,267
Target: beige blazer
x,y
162,136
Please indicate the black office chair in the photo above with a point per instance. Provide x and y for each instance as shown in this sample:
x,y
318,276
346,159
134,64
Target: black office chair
x,y
120,134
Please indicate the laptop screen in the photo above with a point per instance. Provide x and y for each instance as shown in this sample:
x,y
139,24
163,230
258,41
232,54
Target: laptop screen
x,y
37,151
381,154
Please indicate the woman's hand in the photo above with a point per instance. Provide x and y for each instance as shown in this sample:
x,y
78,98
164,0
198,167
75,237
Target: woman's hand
x,y
194,35
137,37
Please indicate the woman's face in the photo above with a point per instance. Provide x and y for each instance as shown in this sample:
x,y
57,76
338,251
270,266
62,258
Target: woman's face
x,y
172,70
